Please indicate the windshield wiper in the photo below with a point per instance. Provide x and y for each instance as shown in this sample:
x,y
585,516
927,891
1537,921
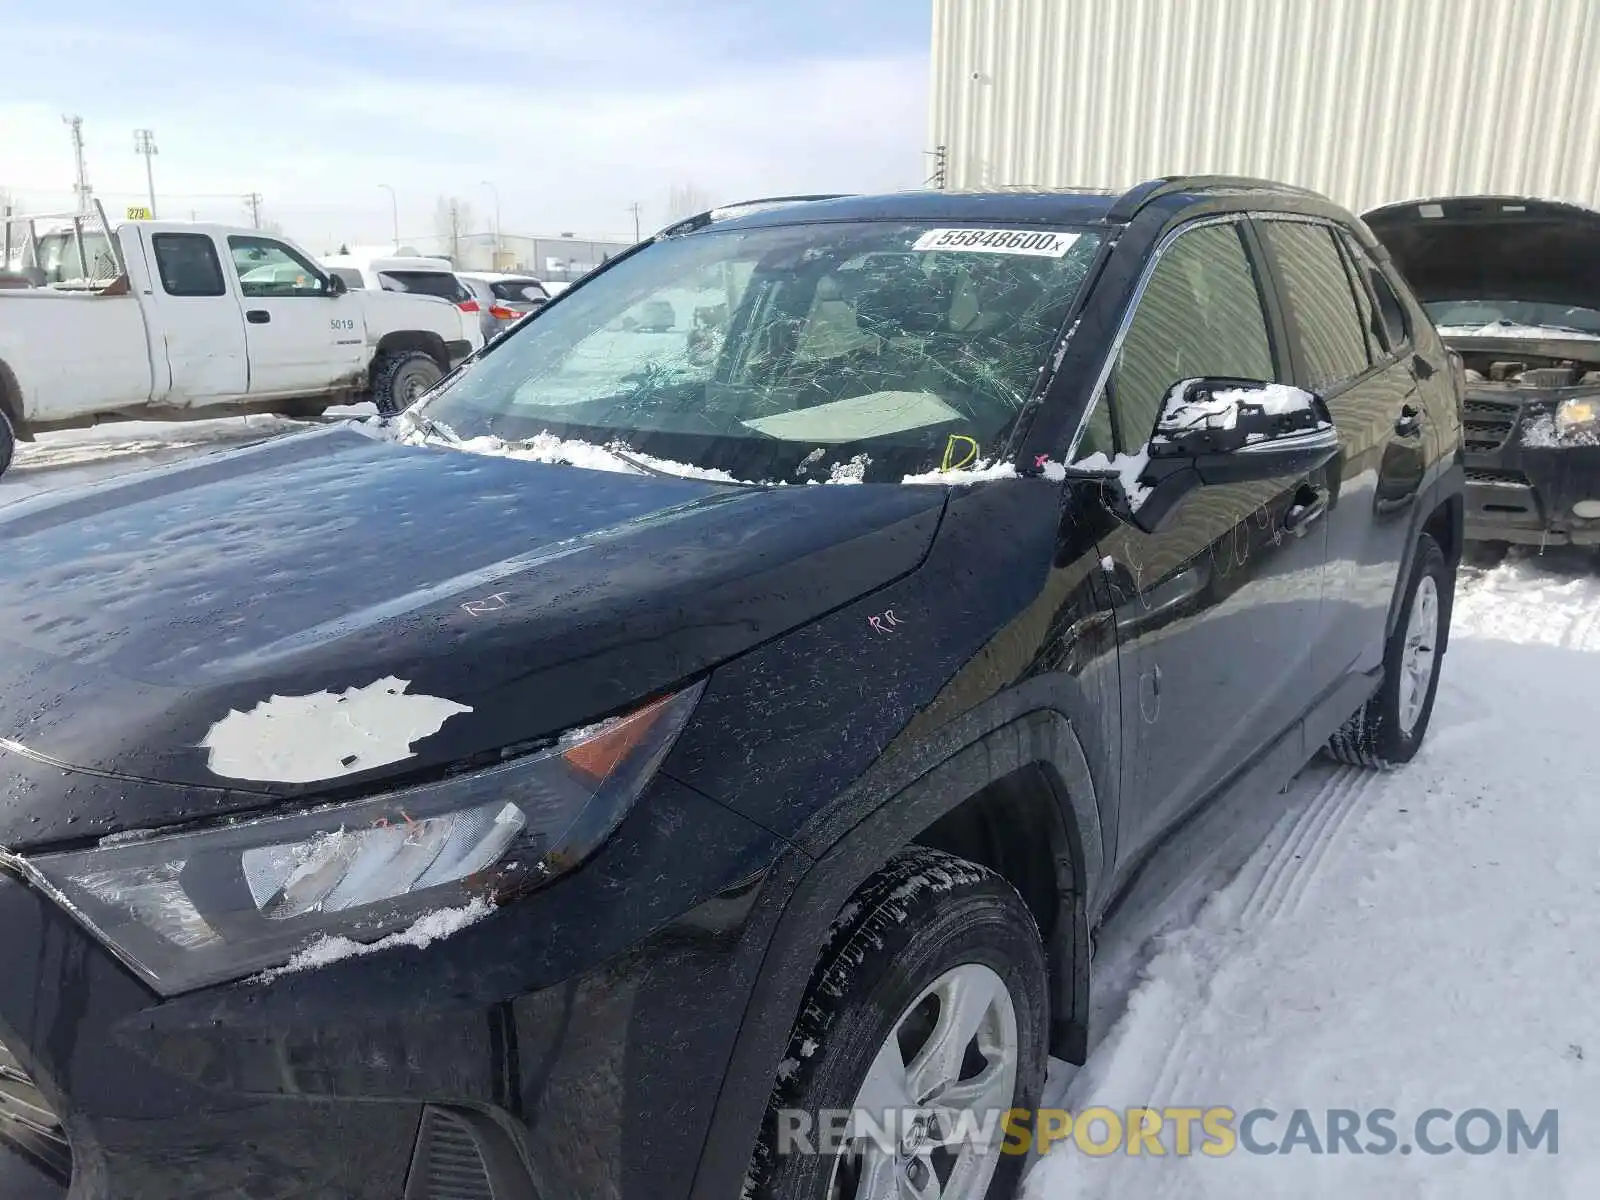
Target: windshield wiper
x,y
432,428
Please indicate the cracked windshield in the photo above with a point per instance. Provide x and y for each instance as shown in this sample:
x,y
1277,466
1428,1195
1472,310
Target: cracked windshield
x,y
821,351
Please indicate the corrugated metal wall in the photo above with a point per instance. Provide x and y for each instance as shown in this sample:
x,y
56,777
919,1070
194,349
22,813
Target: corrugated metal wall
x,y
1364,100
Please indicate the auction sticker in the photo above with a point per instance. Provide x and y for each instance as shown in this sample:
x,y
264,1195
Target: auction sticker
x,y
1040,243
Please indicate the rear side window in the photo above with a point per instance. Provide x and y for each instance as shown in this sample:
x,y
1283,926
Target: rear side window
x,y
188,264
1389,315
427,283
518,290
1200,315
1320,300
349,277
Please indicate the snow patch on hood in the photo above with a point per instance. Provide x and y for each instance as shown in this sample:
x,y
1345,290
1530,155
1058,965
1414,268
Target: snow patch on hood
x,y
324,735
421,934
1508,329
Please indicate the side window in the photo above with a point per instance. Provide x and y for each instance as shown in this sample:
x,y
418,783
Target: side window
x,y
269,269
188,265
1370,329
1200,315
352,278
1320,300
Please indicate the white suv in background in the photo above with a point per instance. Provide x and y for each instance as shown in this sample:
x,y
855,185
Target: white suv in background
x,y
504,299
415,275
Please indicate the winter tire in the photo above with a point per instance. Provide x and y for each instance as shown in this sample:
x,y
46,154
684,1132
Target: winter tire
x,y
8,441
400,379
1389,728
929,1002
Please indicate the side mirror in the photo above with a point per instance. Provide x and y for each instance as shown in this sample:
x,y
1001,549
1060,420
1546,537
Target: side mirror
x,y
1219,431
336,286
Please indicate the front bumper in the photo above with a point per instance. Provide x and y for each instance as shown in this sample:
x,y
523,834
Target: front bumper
x,y
570,1044
1525,494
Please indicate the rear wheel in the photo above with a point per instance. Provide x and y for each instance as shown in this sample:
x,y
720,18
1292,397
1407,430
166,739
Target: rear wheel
x,y
1389,728
926,1019
8,441
400,379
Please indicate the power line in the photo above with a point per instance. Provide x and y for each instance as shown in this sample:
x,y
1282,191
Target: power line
x,y
144,142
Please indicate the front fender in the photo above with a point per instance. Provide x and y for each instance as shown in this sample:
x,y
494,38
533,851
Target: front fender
x,y
852,838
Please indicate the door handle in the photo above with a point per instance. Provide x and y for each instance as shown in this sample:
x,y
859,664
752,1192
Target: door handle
x,y
1309,504
1409,422
257,316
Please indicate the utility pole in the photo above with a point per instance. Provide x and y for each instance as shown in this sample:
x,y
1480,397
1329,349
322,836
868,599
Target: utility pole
x,y
144,142
455,231
394,212
634,209
495,266
252,201
941,167
81,187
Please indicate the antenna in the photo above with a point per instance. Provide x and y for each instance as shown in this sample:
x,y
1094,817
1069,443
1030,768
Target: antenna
x,y
81,187
144,142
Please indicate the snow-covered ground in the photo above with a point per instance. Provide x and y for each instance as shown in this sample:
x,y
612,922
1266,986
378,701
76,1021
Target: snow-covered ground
x,y
1425,939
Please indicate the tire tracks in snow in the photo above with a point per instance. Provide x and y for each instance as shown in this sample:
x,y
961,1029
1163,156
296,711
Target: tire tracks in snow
x,y
1261,895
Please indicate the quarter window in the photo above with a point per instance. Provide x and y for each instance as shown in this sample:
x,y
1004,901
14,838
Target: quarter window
x,y
188,264
1200,316
1320,301
267,268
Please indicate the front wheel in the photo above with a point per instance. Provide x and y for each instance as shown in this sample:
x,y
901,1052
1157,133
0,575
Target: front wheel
x,y
400,379
1388,730
8,441
924,1026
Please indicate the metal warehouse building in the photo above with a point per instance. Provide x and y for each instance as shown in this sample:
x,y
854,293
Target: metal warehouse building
x,y
1367,101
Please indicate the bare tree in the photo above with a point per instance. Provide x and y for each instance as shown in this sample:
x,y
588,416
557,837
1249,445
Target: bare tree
x,y
452,221
685,200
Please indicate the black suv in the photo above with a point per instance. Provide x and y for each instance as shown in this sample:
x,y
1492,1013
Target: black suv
x,y
1513,285
719,730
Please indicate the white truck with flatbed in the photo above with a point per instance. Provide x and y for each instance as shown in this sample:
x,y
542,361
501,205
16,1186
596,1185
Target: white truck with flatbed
x,y
166,320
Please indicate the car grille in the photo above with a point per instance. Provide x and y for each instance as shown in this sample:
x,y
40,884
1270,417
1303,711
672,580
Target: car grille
x,y
27,1121
1490,475
1489,422
449,1162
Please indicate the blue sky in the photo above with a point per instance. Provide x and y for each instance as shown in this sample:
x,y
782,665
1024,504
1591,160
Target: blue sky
x,y
573,109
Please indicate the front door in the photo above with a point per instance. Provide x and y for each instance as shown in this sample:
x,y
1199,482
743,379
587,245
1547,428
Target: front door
x,y
304,339
1216,611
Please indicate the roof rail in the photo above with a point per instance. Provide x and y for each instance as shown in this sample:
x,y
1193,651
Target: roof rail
x,y
723,211
1141,195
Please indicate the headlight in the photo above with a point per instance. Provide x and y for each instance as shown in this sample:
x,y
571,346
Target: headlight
x,y
1578,415
196,908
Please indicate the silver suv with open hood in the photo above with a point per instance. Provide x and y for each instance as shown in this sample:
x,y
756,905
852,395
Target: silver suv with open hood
x,y
1513,285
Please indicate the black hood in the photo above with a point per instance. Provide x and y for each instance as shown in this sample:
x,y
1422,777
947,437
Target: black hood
x,y
1494,248
137,615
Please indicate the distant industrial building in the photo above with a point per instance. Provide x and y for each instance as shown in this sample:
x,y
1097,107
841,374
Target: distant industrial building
x,y
556,259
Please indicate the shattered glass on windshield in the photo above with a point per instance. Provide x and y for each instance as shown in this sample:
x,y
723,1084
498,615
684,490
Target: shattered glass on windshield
x,y
813,352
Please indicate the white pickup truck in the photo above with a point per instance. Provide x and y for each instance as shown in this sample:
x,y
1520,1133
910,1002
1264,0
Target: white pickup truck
x,y
159,320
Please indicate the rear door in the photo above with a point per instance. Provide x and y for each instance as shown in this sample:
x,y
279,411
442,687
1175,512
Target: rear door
x,y
303,339
442,285
197,323
1341,354
1216,611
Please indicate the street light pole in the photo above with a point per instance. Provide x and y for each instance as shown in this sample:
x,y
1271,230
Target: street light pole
x,y
496,264
144,142
394,209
